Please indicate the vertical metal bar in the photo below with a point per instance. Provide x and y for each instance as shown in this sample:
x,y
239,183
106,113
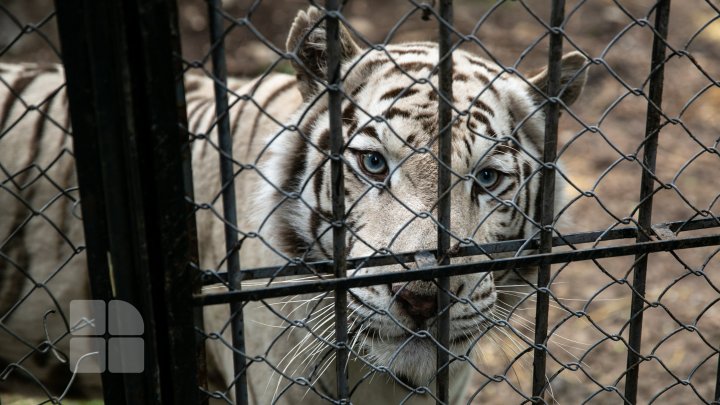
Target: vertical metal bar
x,y
136,113
652,129
219,69
114,131
160,158
76,57
444,177
547,208
717,382
338,194
173,232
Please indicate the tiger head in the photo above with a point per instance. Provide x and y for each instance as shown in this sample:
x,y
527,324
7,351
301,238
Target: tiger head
x,y
390,128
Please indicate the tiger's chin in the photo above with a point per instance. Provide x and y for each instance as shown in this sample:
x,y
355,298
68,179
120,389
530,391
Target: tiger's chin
x,y
410,359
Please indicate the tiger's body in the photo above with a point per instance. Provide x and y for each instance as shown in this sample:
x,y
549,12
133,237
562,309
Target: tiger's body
x,y
390,128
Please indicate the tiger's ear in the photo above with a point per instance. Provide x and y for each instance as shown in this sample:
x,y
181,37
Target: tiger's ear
x,y
572,79
307,41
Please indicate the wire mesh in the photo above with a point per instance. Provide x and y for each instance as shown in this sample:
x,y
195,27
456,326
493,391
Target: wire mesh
x,y
42,249
297,354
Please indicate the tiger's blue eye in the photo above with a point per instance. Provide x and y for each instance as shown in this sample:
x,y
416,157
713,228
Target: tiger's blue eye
x,y
488,178
374,163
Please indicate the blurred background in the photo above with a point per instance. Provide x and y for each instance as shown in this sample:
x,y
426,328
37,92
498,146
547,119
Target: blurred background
x,y
591,301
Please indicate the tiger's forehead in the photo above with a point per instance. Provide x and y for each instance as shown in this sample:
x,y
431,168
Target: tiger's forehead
x,y
395,96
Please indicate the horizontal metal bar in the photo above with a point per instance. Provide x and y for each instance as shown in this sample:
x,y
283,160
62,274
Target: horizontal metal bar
x,y
326,267
457,269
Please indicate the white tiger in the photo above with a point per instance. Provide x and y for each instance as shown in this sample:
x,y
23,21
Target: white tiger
x,y
389,119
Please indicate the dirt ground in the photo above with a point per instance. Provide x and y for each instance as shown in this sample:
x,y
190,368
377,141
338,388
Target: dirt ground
x,y
599,138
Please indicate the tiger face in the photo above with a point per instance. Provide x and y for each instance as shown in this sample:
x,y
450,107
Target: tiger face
x,y
390,130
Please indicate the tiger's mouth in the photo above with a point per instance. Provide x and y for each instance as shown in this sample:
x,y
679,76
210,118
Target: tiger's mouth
x,y
410,355
393,328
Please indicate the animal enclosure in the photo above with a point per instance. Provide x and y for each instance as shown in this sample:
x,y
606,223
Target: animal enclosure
x,y
615,208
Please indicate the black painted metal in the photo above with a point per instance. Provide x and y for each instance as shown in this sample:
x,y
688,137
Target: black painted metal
x,y
72,27
647,189
717,383
444,177
163,151
337,146
547,204
115,132
458,269
227,177
135,110
518,246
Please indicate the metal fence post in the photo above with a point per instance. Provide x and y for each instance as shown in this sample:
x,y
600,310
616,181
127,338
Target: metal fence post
x,y
337,146
647,189
547,203
444,178
227,179
81,93
132,74
108,91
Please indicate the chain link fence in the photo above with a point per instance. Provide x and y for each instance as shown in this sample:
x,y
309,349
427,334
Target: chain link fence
x,y
42,249
370,218
593,310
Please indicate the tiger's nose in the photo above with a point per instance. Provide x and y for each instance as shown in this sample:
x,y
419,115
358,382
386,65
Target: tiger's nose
x,y
418,306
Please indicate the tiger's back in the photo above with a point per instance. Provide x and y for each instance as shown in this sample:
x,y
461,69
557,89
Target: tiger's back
x,y
41,237
42,260
257,113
